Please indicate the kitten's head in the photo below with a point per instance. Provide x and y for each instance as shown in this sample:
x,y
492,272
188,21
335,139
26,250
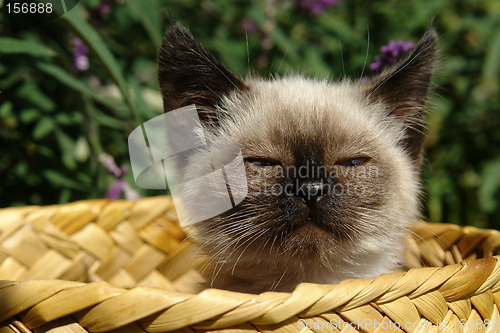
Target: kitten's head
x,y
332,168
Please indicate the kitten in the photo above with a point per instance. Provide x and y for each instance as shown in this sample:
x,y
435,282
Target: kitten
x,y
332,168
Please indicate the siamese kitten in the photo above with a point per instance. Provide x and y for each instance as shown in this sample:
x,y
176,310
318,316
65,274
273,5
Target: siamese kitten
x,y
332,167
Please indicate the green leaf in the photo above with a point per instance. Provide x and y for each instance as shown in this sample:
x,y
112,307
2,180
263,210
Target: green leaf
x,y
9,81
66,119
17,46
58,179
104,120
85,178
32,93
492,62
44,127
65,196
67,146
21,169
45,151
29,115
6,109
148,12
96,43
81,86
140,103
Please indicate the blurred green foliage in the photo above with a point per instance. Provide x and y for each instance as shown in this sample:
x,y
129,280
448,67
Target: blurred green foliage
x,y
55,120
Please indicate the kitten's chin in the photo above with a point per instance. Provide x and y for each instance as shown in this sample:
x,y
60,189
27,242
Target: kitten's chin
x,y
311,230
308,240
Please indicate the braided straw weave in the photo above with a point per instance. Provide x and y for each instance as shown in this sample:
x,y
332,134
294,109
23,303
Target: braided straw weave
x,y
101,266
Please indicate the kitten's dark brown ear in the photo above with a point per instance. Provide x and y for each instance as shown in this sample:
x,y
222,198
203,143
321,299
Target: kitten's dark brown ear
x,y
189,74
404,88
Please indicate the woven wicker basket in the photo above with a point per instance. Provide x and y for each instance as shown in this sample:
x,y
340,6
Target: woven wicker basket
x,y
100,266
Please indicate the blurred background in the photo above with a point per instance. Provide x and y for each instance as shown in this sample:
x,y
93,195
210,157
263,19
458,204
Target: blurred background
x,y
72,89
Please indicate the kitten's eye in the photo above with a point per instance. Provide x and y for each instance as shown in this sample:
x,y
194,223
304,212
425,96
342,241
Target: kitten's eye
x,y
354,162
261,162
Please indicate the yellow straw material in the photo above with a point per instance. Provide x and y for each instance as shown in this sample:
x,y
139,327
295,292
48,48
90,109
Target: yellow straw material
x,y
127,267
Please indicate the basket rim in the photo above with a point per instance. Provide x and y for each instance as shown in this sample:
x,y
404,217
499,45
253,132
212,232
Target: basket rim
x,y
103,307
40,301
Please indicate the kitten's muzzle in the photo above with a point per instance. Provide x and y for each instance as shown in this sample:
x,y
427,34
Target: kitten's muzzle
x,y
311,191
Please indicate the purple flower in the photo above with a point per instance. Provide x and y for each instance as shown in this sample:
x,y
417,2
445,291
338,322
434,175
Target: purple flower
x,y
80,59
100,12
391,53
109,163
120,185
249,26
317,7
115,190
105,9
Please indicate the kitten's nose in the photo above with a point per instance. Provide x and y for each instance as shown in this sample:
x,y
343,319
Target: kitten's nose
x,y
311,192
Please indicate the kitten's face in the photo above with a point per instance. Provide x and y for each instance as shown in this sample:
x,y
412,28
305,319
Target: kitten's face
x,y
332,168
318,167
